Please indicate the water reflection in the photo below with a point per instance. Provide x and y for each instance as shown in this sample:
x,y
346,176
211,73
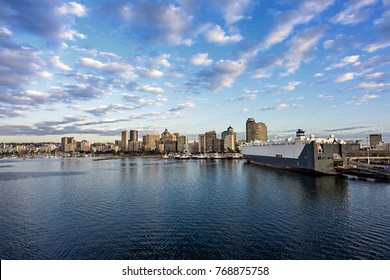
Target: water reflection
x,y
169,209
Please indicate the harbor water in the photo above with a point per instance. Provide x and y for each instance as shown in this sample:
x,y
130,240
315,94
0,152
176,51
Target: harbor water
x,y
149,208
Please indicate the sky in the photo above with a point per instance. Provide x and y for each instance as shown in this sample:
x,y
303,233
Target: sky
x,y
90,69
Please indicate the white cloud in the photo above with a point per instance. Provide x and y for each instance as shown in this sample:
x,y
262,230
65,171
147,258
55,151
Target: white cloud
x,y
300,48
281,107
245,110
375,75
290,86
358,100
161,59
221,75
72,8
151,89
365,85
233,10
329,44
325,97
151,73
345,61
55,60
345,77
217,35
354,12
351,59
120,69
201,59
71,35
5,32
319,75
376,46
138,100
36,94
182,106
260,73
286,21
159,21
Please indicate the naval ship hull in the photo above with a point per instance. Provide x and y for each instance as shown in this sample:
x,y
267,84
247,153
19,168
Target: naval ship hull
x,y
303,157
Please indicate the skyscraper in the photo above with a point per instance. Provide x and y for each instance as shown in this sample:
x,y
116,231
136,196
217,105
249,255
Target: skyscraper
x,y
149,140
211,138
133,135
202,143
68,144
255,131
182,140
229,139
125,139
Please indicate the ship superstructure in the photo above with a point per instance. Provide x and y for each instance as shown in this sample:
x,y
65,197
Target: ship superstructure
x,y
312,154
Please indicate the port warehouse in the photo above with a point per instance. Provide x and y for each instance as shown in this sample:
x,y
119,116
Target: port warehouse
x,y
375,156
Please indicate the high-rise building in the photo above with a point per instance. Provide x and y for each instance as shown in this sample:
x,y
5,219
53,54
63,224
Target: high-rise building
x,y
182,140
229,139
68,144
211,138
167,136
149,140
133,135
202,143
255,131
125,140
85,146
375,140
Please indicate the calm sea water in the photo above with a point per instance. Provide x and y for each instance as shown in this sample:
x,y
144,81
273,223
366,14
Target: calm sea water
x,y
168,209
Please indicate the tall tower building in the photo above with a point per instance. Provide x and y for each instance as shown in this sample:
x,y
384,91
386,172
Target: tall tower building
x,y
149,140
211,139
133,135
255,131
68,144
202,143
125,140
229,139
182,141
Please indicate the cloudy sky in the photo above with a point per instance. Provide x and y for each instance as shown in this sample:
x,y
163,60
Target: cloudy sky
x,y
90,69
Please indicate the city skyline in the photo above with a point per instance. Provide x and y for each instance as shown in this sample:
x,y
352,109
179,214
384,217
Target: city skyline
x,y
91,69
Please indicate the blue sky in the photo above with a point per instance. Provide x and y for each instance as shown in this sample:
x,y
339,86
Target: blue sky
x,y
90,69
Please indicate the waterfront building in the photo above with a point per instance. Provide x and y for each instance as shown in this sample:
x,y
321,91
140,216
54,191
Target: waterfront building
x,y
133,135
211,138
68,144
100,147
202,143
255,131
20,148
85,146
150,140
170,147
229,139
47,148
229,143
125,139
375,140
182,140
167,136
194,147
135,146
